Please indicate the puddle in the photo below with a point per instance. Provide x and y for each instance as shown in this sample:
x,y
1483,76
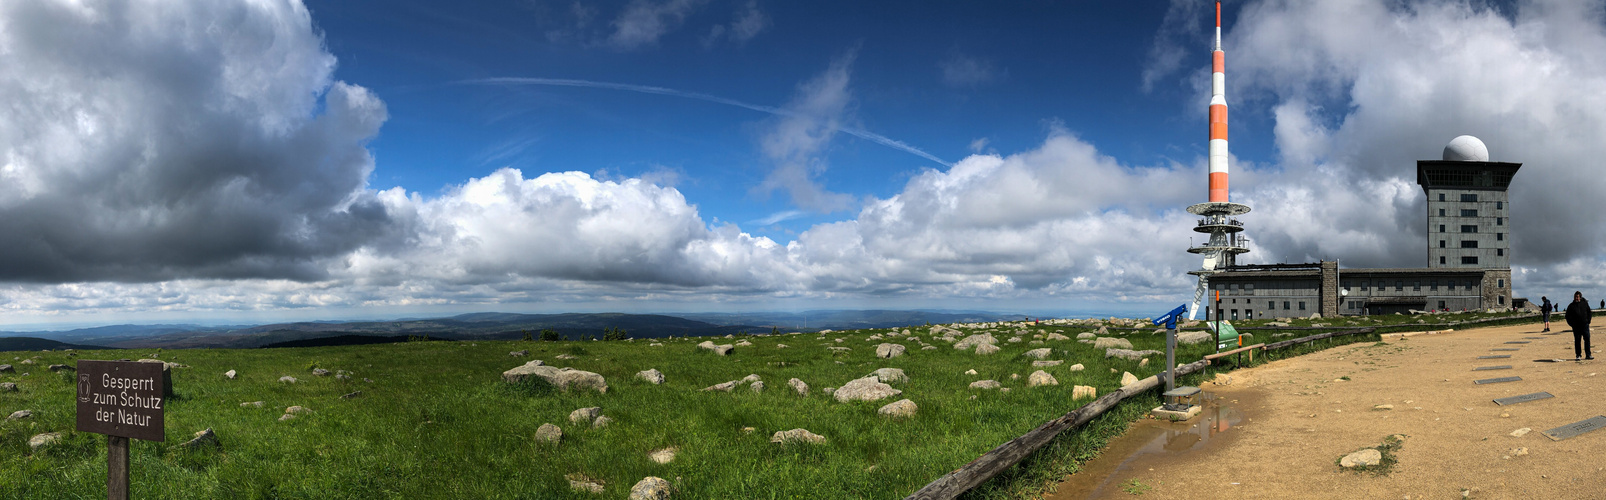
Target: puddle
x,y
1145,439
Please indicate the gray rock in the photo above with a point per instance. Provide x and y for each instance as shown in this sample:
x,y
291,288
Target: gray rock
x,y
1040,353
1109,342
975,340
663,456
650,488
928,348
585,415
548,433
985,384
889,350
7,369
1129,354
20,414
601,421
287,379
797,436
297,410
652,376
1077,367
1193,337
799,386
757,386
1040,377
42,440
565,356
57,368
1054,362
561,378
203,440
519,353
352,395
828,390
230,374
1056,336
865,389
724,386
342,376
722,350
889,375
1086,336
750,378
1362,458
986,349
902,408
579,482
320,372
8,387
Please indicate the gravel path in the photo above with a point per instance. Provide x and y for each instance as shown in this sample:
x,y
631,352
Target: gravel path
x,y
1301,417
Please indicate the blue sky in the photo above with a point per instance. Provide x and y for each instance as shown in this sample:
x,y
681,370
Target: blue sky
x,y
191,160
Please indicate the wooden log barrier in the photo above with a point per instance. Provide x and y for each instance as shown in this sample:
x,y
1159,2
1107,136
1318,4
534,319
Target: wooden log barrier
x,y
1008,454
1313,338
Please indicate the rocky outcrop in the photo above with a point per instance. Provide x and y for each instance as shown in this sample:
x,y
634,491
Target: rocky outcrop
x,y
889,350
976,340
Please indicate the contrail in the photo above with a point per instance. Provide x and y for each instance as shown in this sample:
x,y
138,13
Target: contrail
x,y
647,89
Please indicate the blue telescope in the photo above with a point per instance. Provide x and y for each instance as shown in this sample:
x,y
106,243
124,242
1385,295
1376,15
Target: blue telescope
x,y
1170,318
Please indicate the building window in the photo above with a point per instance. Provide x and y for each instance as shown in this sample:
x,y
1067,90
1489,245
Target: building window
x,y
1441,228
1500,236
1469,213
1441,212
1469,198
1416,286
1441,305
1249,288
1499,221
1469,229
1363,285
1499,205
1302,306
1500,252
1271,304
1399,286
1433,285
1470,259
1470,283
1441,259
1285,305
1441,196
1346,285
1235,315
1502,300
1469,243
1500,283
1441,243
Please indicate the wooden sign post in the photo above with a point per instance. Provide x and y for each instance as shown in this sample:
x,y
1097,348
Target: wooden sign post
x,y
121,399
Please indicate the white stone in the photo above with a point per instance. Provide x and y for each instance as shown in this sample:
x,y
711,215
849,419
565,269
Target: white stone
x,y
1111,342
986,349
652,376
663,456
1041,353
1040,377
889,350
1054,362
889,375
1127,378
561,378
985,384
1077,367
230,374
797,436
1083,391
864,389
1369,456
902,408
799,386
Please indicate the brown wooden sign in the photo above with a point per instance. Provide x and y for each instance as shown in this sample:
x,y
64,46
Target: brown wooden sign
x,y
121,398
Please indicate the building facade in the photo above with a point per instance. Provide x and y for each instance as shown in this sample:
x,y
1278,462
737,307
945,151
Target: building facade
x,y
1469,256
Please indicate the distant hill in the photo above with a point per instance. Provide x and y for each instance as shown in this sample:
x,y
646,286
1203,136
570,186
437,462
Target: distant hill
x,y
345,340
848,319
38,344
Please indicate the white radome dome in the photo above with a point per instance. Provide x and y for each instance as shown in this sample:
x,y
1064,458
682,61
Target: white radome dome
x,y
1466,148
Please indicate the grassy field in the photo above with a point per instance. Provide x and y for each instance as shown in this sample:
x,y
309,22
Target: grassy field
x,y
437,422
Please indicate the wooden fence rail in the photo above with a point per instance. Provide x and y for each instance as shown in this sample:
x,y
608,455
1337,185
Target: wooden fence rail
x,y
1010,453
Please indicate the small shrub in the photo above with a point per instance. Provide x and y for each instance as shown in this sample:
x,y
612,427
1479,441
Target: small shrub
x,y
550,335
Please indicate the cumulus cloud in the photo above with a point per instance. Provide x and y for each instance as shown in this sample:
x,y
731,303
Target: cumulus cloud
x,y
229,176
131,150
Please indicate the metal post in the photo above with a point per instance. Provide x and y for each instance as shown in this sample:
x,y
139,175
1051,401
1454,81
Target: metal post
x,y
1171,358
1218,321
116,468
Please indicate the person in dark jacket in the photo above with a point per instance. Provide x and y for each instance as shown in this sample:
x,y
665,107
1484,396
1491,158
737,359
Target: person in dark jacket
x,y
1546,308
1578,317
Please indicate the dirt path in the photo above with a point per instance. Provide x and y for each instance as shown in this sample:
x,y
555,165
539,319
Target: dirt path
x,y
1298,417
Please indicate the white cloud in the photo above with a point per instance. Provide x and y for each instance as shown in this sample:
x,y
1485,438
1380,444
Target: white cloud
x,y
960,70
749,22
643,22
797,140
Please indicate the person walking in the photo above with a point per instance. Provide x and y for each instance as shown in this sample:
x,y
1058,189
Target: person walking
x,y
1545,309
1578,317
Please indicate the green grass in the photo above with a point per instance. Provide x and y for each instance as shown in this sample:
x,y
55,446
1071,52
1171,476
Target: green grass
x,y
437,422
